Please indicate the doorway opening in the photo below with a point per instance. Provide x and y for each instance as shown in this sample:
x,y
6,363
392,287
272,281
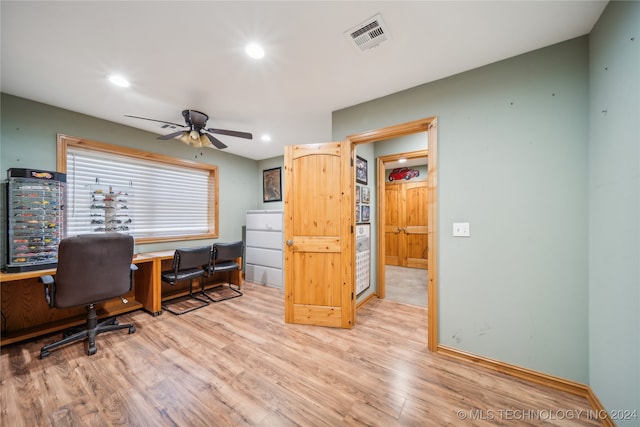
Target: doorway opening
x,y
428,125
404,216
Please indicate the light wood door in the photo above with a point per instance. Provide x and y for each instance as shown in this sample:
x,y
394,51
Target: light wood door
x,y
392,225
318,250
406,224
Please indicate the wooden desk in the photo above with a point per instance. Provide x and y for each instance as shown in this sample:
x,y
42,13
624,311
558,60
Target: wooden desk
x,y
26,315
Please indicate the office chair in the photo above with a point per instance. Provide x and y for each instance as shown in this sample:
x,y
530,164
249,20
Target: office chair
x,y
91,269
188,264
225,259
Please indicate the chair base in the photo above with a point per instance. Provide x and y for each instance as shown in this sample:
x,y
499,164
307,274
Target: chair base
x,y
227,292
177,301
88,332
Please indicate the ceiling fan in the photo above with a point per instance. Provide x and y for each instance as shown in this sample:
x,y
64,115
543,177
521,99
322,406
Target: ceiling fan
x,y
195,133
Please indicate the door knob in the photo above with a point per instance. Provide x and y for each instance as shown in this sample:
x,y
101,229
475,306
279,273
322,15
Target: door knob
x,y
289,242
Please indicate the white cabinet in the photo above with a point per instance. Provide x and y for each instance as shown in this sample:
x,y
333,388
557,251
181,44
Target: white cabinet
x,y
263,253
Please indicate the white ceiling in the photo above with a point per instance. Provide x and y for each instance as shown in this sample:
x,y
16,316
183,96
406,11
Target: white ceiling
x,y
181,54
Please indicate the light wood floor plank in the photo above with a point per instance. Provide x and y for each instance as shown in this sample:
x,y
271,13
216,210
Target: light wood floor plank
x,y
236,363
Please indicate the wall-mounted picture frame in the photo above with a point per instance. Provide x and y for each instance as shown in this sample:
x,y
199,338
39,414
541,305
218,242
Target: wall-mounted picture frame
x,y
362,171
365,213
272,185
365,195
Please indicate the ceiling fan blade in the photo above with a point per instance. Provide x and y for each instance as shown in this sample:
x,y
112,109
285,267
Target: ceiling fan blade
x,y
235,133
215,141
174,134
154,120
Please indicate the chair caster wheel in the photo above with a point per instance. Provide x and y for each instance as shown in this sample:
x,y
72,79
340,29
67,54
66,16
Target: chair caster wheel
x,y
132,329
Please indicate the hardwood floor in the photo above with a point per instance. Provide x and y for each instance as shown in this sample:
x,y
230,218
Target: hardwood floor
x,y
406,285
236,363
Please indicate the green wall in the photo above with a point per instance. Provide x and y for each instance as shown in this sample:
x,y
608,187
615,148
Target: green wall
x,y
614,209
512,146
28,140
275,162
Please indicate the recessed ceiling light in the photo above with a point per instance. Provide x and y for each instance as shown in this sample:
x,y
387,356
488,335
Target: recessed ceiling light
x,y
254,50
118,80
265,138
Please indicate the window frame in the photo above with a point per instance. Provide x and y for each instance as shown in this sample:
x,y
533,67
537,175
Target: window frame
x,y
65,141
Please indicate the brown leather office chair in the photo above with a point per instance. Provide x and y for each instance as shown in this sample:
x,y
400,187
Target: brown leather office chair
x,y
91,269
225,259
188,264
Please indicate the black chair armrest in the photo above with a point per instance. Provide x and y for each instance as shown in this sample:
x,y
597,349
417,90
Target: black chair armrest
x,y
49,289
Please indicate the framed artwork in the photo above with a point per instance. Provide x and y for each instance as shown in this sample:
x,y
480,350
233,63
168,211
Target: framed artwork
x,y
272,185
365,195
361,170
364,214
357,194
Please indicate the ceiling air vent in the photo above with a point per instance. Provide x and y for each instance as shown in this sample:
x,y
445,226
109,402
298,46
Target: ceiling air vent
x,y
369,33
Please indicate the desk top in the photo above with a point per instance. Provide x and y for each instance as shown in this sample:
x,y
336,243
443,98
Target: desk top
x,y
10,277
168,254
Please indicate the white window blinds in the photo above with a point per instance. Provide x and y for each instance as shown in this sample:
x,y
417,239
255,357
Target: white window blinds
x,y
162,199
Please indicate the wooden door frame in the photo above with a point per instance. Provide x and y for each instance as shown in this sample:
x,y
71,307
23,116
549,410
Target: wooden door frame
x,y
429,125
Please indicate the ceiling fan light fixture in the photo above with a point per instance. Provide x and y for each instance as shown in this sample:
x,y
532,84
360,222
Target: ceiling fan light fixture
x,y
199,141
265,138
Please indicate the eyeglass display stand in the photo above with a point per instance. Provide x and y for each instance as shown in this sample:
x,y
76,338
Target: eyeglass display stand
x,y
110,209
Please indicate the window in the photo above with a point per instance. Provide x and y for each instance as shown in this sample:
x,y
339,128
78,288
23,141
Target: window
x,y
166,198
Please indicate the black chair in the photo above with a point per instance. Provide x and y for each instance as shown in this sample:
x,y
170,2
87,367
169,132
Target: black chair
x,y
91,269
225,259
188,264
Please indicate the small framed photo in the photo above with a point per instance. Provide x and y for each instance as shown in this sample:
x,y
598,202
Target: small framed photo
x,y
357,194
362,171
364,215
272,185
365,195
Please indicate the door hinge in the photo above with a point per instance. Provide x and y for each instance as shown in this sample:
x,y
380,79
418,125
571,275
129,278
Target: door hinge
x,y
351,295
351,161
352,229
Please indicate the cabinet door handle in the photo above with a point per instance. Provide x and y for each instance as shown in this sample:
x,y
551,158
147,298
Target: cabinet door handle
x,y
289,242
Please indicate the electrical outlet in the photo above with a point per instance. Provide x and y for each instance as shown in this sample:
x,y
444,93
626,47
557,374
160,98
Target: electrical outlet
x,y
461,229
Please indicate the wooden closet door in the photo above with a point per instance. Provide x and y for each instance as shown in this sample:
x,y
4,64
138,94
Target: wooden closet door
x,y
392,225
415,224
406,224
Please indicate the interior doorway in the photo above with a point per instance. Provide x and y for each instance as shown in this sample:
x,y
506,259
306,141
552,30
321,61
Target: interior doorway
x,y
403,215
428,125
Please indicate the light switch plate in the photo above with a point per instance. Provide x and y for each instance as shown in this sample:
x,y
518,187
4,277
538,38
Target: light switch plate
x,y
461,229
